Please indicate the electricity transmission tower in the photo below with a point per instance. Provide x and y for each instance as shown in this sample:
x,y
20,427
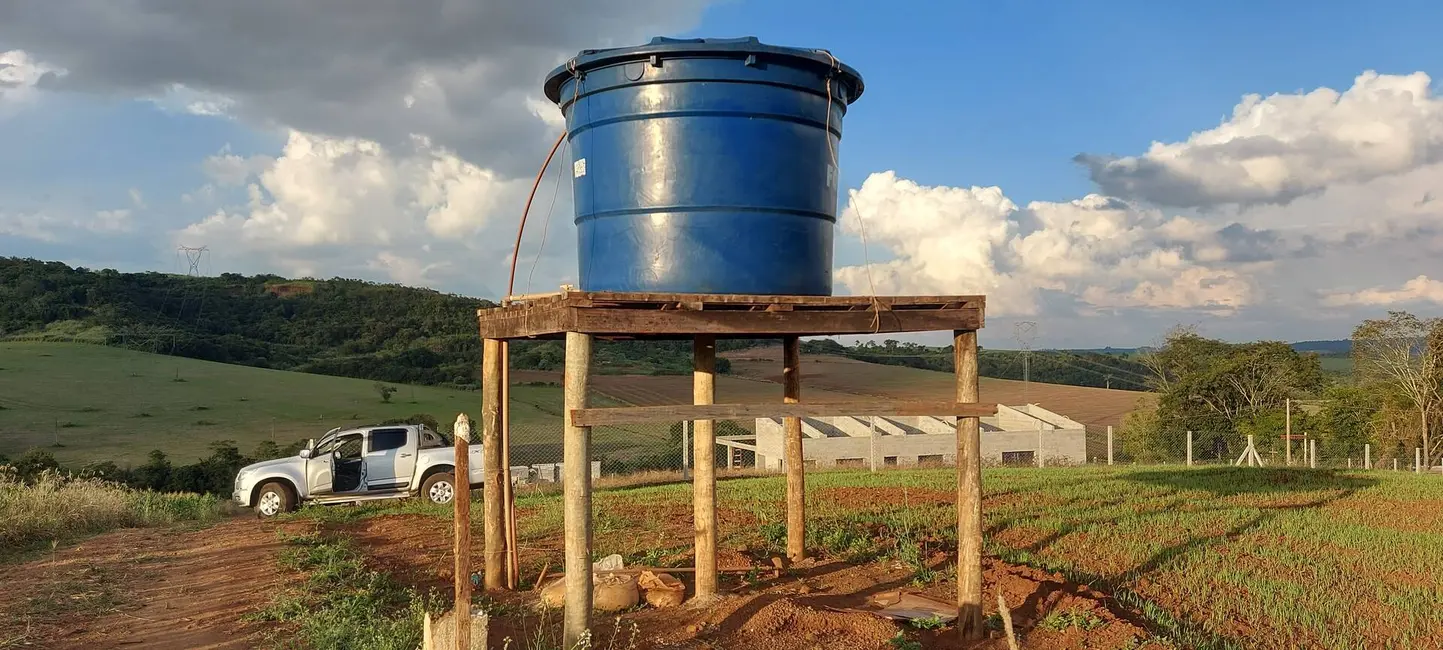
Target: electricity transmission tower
x,y
193,256
1025,332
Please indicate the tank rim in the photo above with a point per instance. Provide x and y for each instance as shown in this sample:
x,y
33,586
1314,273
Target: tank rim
x,y
714,47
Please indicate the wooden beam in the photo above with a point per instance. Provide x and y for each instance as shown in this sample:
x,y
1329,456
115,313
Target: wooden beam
x,y
733,323
595,417
576,492
494,523
704,478
792,439
969,492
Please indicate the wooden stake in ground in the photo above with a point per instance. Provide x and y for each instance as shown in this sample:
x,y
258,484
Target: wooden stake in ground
x,y
969,492
704,478
493,525
1006,615
461,525
1189,448
1367,456
576,492
508,497
794,460
1109,444
1417,460
1313,453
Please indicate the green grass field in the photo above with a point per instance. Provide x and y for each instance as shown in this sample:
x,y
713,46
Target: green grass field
x,y
102,403
1212,557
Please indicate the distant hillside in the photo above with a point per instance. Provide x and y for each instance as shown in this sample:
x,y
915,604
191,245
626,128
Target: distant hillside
x,y
348,328
1066,367
1339,348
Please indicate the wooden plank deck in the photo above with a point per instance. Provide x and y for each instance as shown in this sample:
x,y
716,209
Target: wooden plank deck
x,y
680,315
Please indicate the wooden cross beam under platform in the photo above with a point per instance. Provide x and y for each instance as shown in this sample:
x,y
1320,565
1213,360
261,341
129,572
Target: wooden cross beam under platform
x,y
581,316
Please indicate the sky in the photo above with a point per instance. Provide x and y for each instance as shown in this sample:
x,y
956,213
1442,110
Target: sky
x,y
1107,171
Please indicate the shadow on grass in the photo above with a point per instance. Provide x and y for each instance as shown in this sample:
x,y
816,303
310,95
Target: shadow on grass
x,y
1228,481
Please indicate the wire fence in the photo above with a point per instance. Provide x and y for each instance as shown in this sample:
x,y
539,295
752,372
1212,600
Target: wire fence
x,y
1110,445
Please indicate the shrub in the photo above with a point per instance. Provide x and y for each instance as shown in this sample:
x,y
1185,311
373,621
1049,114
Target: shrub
x,y
53,507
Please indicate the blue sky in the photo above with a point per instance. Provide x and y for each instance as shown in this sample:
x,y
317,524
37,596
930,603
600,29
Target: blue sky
x,y
1000,148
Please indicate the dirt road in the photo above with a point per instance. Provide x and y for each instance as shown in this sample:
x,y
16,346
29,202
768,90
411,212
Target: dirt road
x,y
145,588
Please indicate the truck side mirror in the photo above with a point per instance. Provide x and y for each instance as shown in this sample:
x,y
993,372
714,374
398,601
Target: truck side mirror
x,y
305,453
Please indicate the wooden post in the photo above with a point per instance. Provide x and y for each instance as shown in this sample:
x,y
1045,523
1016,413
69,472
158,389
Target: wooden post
x,y
1350,462
1395,463
1040,462
1367,456
969,492
703,391
1313,453
576,492
508,498
1288,430
494,524
1417,460
1109,444
1189,447
461,526
795,462
686,449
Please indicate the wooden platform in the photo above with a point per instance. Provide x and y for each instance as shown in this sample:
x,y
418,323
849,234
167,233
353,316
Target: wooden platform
x,y
614,315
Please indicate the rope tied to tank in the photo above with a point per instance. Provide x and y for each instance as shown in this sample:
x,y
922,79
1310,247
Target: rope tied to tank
x,y
834,69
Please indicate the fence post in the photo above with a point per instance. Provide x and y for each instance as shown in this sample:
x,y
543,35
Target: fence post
x,y
1109,444
1367,456
872,444
686,449
1189,448
1040,461
1395,463
1288,431
1417,460
1313,453
1350,462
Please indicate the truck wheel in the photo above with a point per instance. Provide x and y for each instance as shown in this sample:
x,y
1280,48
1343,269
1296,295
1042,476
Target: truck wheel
x,y
274,499
439,489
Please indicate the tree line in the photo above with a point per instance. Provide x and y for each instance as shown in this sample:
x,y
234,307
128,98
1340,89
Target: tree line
x,y
1224,392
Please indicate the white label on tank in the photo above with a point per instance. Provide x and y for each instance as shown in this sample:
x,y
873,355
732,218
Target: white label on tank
x,y
831,175
578,168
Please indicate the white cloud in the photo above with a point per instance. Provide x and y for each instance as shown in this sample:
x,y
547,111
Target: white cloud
x,y
356,204
1419,289
20,74
52,227
1108,253
228,169
1278,148
180,98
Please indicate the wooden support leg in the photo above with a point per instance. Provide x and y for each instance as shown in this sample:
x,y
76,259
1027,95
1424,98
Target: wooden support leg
x,y
704,478
576,492
508,499
494,524
461,526
969,492
796,464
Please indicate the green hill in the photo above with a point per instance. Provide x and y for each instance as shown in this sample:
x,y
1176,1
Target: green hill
x,y
106,403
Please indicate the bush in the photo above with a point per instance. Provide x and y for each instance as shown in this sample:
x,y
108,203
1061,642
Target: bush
x,y
52,507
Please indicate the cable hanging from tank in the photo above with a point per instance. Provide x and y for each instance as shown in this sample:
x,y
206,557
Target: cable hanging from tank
x,y
832,71
521,228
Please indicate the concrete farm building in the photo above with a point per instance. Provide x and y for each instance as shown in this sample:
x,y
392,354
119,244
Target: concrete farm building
x,y
1010,437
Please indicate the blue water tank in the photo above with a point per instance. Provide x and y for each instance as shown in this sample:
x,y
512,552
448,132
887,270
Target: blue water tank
x,y
705,165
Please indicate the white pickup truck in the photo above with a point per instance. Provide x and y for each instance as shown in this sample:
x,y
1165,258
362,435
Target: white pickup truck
x,y
355,465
